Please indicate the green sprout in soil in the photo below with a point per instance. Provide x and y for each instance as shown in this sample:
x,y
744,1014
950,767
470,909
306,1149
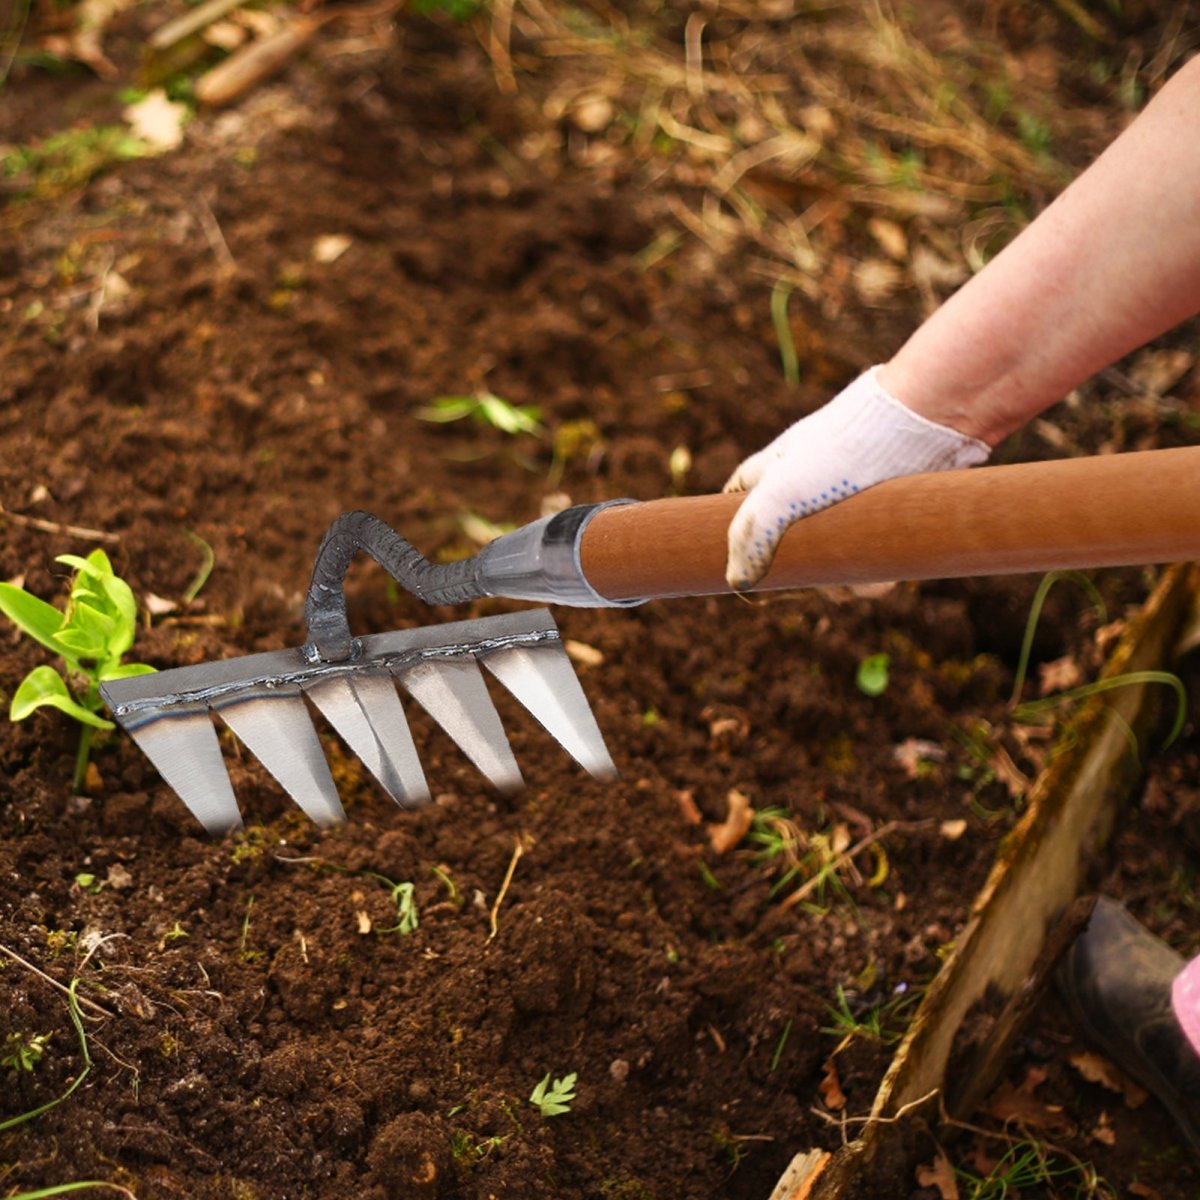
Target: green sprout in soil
x,y
1024,1167
871,1023
23,1051
486,408
1032,711
91,636
872,674
406,907
77,1020
551,1100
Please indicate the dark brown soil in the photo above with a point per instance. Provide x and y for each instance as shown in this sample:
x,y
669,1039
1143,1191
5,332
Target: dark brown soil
x,y
264,1033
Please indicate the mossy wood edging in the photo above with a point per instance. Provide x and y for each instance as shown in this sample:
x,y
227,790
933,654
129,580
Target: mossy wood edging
x,y
1040,869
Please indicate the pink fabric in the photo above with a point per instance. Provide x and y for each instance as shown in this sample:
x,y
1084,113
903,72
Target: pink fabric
x,y
1185,999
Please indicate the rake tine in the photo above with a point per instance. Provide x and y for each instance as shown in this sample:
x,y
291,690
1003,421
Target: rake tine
x,y
184,749
274,724
366,711
542,678
452,692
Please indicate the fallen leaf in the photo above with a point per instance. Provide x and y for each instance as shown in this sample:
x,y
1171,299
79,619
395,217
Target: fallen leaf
x,y
1009,774
157,606
875,279
890,236
582,653
1020,1106
689,808
830,1088
1097,1069
329,247
157,120
729,833
1144,1190
1158,371
912,752
1104,1132
1059,676
939,1174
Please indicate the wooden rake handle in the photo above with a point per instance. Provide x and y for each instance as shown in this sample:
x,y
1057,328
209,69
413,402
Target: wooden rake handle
x,y
1114,510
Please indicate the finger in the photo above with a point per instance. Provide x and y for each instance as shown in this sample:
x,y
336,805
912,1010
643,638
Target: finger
x,y
754,535
748,473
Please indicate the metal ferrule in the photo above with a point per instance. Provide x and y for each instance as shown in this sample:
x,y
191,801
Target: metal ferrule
x,y
541,561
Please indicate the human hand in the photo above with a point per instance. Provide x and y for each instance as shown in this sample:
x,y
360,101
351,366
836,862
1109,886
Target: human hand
x,y
863,436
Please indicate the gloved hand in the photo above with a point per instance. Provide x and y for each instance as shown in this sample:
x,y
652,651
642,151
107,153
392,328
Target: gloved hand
x,y
863,436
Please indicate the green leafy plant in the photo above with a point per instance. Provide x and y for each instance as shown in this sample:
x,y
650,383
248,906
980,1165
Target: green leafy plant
x,y
872,674
23,1051
406,906
487,409
91,636
76,1015
553,1099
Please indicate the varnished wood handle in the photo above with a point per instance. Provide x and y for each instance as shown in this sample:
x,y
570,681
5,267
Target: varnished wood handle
x,y
1108,511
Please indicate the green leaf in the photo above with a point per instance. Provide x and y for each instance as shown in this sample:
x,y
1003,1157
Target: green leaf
x,y
553,1100
126,671
872,674
44,687
448,408
41,621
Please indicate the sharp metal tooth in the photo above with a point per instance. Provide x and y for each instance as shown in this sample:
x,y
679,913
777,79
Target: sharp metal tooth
x,y
452,691
366,711
182,744
544,680
275,725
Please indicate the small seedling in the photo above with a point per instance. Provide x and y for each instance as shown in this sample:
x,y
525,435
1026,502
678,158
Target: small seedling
x,y
23,1051
405,902
487,409
553,1099
872,674
91,636
870,1023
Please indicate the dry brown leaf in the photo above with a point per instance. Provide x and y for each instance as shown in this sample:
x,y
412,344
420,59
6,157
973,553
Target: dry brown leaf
x,y
1059,676
912,752
939,1174
1095,1068
729,833
875,279
582,653
1158,371
1009,774
1104,1132
890,236
1020,1106
830,1088
688,807
1145,1191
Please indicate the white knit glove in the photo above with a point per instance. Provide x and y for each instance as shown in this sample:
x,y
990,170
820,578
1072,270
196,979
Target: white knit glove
x,y
863,436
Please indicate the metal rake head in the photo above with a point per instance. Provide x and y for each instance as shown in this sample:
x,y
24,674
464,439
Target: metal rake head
x,y
352,682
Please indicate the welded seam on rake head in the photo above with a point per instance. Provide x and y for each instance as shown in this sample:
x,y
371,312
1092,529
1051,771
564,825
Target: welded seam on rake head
x,y
393,662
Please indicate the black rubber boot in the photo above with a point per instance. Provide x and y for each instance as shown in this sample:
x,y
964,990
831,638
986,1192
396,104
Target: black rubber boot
x,y
1116,983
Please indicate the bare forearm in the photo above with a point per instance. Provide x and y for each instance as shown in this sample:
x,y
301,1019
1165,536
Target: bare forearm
x,y
1111,264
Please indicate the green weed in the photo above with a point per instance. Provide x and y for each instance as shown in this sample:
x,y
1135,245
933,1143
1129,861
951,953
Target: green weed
x,y
874,1023
553,1099
23,1051
871,678
486,408
91,636
780,295
1026,1166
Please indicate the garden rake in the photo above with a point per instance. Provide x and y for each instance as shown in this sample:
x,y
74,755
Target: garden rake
x,y
1116,510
